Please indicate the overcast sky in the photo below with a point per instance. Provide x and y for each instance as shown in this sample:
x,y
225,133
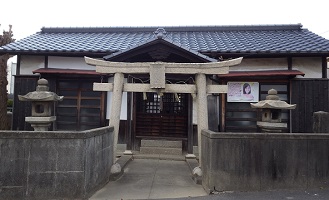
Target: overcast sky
x,y
29,16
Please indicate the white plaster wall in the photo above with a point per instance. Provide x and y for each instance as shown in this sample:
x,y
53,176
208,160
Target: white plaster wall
x,y
68,63
10,76
31,63
258,64
9,64
123,113
312,67
195,113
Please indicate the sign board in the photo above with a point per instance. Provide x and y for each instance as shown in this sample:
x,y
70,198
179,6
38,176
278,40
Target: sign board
x,y
243,92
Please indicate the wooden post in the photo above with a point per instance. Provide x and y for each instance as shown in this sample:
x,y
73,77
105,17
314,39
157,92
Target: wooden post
x,y
201,84
116,109
223,110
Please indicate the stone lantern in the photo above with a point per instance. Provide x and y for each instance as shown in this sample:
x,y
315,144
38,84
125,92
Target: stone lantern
x,y
42,101
271,112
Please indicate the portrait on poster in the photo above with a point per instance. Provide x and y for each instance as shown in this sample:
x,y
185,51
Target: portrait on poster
x,y
242,91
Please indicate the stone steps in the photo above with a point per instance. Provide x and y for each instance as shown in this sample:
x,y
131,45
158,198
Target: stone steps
x,y
166,147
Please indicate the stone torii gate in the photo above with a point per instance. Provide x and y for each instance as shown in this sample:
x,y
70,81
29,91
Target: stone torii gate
x,y
158,71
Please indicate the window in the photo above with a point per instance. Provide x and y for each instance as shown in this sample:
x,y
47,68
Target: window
x,y
81,108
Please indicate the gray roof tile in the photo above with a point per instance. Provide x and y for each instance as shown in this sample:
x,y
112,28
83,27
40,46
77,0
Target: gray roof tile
x,y
219,39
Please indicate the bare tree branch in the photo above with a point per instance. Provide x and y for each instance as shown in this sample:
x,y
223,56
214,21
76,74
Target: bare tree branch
x,y
5,38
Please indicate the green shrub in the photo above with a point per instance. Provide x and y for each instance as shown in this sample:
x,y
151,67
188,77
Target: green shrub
x,y
10,103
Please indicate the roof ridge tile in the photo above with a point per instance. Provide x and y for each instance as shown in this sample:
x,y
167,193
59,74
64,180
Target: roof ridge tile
x,y
123,29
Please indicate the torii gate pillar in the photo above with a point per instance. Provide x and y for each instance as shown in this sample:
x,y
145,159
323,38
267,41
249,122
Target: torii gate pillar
x,y
202,107
116,109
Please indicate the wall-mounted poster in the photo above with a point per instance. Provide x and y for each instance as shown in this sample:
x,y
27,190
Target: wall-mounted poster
x,y
242,91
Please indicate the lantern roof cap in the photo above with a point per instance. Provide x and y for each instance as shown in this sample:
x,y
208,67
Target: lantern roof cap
x,y
273,102
42,93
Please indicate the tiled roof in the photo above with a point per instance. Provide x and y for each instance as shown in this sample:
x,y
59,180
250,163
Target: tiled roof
x,y
254,39
160,39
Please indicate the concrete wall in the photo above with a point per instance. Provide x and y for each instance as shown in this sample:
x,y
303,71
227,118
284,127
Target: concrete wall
x,y
259,161
54,165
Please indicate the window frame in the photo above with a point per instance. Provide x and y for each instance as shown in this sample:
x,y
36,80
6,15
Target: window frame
x,y
79,96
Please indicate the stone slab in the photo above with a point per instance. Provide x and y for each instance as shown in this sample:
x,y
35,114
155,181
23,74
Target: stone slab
x,y
160,150
161,143
146,156
172,157
159,157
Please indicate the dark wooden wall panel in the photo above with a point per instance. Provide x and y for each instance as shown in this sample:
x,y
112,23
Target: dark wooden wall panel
x,y
122,138
310,95
213,120
23,85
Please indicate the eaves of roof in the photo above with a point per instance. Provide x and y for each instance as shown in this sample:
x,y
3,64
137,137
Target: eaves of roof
x,y
65,71
267,73
57,53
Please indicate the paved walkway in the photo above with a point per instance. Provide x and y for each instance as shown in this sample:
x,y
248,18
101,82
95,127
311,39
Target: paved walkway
x,y
162,179
152,179
318,194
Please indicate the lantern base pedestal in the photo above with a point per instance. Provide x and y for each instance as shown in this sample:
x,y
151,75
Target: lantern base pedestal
x,y
272,127
40,123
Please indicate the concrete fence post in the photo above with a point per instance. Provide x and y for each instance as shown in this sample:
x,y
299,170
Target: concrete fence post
x,y
320,122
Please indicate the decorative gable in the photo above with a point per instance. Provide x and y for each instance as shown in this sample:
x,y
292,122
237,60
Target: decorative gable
x,y
156,49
